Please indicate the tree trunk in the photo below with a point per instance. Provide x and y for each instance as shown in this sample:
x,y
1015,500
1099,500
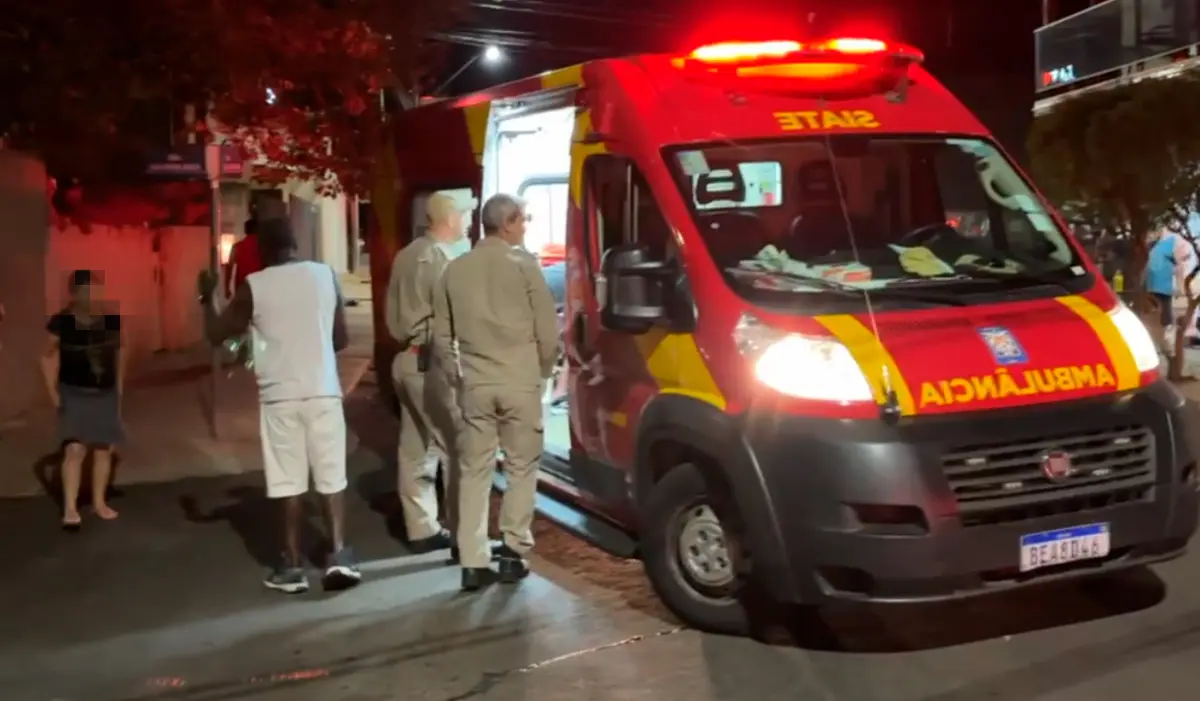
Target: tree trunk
x,y
1139,252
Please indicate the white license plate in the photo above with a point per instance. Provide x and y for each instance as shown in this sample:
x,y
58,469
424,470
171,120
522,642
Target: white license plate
x,y
1059,547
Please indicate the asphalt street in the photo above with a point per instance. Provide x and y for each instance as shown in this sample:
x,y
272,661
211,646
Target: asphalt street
x,y
165,603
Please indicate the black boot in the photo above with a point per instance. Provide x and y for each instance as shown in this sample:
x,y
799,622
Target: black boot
x,y
437,541
513,568
456,558
475,578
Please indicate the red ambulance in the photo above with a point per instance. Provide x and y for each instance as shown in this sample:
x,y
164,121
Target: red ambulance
x,y
792,367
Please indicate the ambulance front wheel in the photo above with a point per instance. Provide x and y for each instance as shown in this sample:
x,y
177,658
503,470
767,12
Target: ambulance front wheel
x,y
693,553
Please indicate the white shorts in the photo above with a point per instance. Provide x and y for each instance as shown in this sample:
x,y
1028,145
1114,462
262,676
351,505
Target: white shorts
x,y
301,434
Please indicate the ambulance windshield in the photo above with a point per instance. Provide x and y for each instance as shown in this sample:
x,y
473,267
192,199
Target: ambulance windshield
x,y
924,211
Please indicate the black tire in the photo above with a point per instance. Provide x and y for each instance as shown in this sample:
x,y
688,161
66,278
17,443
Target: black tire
x,y
680,490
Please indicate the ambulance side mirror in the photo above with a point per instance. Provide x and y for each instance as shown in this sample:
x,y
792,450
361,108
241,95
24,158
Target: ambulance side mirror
x,y
638,289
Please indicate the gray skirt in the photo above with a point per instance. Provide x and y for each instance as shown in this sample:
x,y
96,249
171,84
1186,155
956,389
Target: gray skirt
x,y
89,416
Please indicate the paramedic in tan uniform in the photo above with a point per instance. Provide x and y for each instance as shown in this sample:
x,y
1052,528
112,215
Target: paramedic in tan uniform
x,y
495,324
428,409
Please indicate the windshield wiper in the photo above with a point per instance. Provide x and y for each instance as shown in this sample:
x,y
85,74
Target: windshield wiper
x,y
886,292
918,295
1021,278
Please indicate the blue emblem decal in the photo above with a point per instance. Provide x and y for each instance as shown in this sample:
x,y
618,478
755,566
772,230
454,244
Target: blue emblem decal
x,y
1005,348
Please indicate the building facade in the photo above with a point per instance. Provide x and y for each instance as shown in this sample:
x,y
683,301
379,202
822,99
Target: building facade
x,y
1103,44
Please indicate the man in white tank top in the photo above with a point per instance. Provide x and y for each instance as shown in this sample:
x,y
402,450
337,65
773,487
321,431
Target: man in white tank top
x,y
293,310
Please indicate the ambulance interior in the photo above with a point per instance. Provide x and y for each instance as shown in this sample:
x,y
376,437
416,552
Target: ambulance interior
x,y
530,156
866,211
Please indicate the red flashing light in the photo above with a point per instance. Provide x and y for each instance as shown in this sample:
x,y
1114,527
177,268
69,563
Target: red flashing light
x,y
750,51
848,63
856,46
851,49
738,51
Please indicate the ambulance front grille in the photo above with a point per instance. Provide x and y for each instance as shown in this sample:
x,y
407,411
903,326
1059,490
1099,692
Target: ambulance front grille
x,y
1004,482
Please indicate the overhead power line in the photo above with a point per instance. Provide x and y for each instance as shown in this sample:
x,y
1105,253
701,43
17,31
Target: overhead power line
x,y
510,40
561,10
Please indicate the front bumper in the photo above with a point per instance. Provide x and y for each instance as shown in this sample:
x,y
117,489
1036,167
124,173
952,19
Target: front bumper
x,y
866,511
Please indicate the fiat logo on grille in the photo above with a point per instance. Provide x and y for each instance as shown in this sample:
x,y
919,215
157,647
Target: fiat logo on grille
x,y
1056,465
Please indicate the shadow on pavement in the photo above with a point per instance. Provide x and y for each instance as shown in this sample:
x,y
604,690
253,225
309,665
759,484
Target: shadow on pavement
x,y
915,627
369,419
378,490
48,473
257,523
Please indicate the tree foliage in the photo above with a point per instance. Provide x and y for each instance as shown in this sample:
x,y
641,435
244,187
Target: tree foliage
x,y
93,87
1123,160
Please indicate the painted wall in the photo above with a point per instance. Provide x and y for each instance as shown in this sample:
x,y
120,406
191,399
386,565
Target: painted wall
x,y
126,258
149,272
24,211
320,224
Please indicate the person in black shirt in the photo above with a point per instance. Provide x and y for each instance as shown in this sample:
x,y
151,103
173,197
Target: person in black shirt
x,y
84,371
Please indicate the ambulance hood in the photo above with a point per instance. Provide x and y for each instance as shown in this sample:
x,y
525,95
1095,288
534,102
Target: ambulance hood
x,y
993,356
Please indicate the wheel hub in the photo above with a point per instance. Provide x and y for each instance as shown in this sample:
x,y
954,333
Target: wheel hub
x,y
703,553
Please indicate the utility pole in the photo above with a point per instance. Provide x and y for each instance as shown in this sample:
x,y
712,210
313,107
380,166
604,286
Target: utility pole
x,y
212,167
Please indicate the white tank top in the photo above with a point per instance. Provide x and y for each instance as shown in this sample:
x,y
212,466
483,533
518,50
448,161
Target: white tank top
x,y
292,331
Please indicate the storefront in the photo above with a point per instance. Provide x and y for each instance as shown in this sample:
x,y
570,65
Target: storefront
x,y
1112,41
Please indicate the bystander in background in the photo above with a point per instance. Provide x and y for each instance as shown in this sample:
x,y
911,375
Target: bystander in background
x,y
84,369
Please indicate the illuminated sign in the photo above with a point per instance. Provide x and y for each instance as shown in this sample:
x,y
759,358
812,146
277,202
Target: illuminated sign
x,y
1058,76
1003,384
826,119
1109,36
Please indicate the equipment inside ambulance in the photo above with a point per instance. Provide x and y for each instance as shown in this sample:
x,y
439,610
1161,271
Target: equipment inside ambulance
x,y
824,342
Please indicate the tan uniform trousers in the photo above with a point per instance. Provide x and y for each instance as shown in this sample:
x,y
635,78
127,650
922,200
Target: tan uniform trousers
x,y
511,417
429,422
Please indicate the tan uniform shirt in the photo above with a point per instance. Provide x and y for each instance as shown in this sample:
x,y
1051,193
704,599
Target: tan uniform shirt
x,y
415,274
494,304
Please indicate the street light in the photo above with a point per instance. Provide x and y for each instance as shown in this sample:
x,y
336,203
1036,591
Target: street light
x,y
490,54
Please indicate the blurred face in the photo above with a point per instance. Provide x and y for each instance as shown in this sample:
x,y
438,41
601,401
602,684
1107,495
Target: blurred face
x,y
454,222
88,295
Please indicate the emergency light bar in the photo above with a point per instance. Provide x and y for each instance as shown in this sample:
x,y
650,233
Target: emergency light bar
x,y
849,49
838,64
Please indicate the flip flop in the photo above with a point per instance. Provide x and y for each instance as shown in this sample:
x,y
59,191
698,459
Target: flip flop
x,y
72,526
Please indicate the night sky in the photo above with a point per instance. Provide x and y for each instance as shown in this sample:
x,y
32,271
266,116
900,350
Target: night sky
x,y
957,35
981,49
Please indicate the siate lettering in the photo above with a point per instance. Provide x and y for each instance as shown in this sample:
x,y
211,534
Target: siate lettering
x,y
805,120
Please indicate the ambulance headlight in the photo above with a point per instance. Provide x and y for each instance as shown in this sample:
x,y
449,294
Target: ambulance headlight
x,y
1141,345
804,367
821,369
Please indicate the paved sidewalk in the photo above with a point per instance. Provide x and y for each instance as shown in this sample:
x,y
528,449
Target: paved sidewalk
x,y
356,289
168,432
